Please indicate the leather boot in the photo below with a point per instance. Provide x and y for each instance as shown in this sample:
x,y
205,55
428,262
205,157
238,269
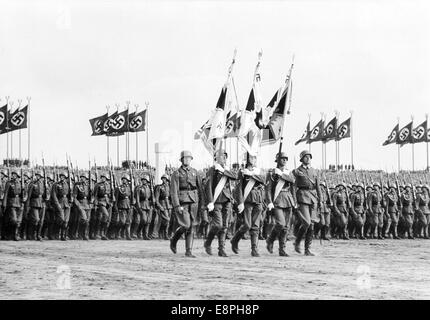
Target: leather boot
x,y
271,238
207,244
254,244
133,228
176,236
308,241
103,229
235,241
189,238
221,243
38,232
15,231
362,237
127,232
146,232
380,236
300,233
85,231
63,233
324,230
282,241
395,235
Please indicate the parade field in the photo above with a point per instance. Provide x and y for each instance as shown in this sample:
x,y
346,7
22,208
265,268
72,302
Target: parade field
x,y
352,269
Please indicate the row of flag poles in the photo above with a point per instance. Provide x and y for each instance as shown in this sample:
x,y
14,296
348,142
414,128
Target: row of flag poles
x,y
409,135
252,127
332,131
122,123
12,120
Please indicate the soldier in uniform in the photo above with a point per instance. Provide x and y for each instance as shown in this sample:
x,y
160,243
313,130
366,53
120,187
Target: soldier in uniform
x,y
103,194
11,205
185,191
308,196
60,201
250,198
280,199
392,211
324,212
375,208
164,205
142,217
35,207
49,221
423,210
340,205
82,199
408,211
371,219
23,222
123,196
219,202
3,179
357,213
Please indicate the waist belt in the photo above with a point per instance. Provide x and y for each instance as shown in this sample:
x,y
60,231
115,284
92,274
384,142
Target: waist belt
x,y
187,189
307,188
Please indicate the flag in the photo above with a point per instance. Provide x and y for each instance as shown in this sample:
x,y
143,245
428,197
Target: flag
x,y
392,138
217,129
18,119
107,128
419,134
344,130
428,135
3,119
203,134
232,126
305,135
276,121
248,135
330,130
119,123
405,135
317,132
97,125
137,121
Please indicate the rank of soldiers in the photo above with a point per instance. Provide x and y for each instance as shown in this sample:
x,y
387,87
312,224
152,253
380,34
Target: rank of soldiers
x,y
237,204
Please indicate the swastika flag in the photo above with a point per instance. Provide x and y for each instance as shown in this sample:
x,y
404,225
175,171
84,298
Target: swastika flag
x,y
137,121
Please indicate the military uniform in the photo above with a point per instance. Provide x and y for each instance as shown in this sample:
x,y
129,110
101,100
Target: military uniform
x,y
12,206
49,220
357,212
280,181
103,206
252,206
36,208
164,205
375,213
185,191
423,210
392,210
408,211
340,205
3,181
143,213
123,196
220,208
325,212
82,209
308,196
22,218
60,192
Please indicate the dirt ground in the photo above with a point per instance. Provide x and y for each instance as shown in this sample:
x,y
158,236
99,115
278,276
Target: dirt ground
x,y
372,269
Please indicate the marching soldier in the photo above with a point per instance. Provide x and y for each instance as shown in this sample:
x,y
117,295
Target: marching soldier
x,y
60,195
164,205
12,205
250,198
81,199
392,212
408,210
340,205
219,202
423,210
279,195
375,208
185,190
371,222
3,179
103,204
358,215
123,196
35,207
23,222
308,196
143,209
49,221
324,211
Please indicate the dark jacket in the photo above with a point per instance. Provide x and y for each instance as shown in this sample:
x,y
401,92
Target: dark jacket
x,y
213,177
308,185
185,186
285,198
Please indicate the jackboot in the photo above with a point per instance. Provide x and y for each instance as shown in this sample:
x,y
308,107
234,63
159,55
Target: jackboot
x,y
380,236
254,244
362,237
189,238
282,241
146,232
308,241
15,231
176,236
235,240
85,231
300,233
221,243
324,230
127,232
63,233
395,235
38,232
211,235
103,229
271,238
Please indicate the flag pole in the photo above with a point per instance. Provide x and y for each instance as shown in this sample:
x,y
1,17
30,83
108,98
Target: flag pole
x,y
11,135
398,146
427,141
19,134
337,141
137,141
128,133
7,129
107,140
310,147
412,143
28,127
117,141
322,144
352,144
147,133
238,109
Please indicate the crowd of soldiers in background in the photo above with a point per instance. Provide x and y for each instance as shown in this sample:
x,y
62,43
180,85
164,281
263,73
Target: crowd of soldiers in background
x,y
111,204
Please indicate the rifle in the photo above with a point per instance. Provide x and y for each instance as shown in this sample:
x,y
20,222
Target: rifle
x,y
328,193
365,190
96,175
69,181
131,183
90,181
113,183
22,184
45,183
346,190
414,192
